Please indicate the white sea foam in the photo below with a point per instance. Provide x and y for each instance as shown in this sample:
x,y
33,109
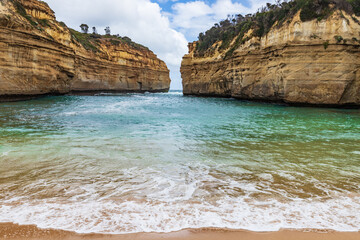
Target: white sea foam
x,y
174,93
4,154
286,175
171,201
125,106
157,200
266,176
339,214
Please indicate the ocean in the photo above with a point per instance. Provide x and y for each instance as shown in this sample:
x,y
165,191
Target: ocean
x,y
162,162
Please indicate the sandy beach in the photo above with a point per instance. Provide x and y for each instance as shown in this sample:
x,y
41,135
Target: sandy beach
x,y
29,232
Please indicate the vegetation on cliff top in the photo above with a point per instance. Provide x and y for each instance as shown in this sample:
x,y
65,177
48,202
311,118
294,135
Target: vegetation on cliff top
x,y
91,41
266,17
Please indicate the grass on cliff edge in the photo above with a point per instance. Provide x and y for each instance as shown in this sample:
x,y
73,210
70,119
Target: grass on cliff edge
x,y
91,41
266,17
116,40
85,40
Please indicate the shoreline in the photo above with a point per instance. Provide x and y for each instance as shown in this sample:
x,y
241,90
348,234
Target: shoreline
x,y
24,97
31,232
271,101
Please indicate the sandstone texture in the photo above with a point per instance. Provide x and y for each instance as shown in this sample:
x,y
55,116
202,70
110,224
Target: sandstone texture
x,y
298,63
39,55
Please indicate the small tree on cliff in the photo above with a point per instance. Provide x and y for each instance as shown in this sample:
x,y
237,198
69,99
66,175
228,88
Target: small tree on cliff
x,y
107,31
84,28
94,30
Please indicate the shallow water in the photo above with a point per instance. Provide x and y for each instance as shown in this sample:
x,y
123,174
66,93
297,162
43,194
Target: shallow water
x,y
163,162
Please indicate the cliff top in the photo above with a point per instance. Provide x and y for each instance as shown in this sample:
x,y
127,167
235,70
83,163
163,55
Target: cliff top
x,y
92,41
225,37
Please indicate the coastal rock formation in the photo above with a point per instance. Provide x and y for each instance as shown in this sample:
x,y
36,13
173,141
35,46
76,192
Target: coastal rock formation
x,y
39,55
314,62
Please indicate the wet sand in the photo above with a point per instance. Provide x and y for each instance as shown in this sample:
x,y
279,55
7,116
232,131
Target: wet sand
x,y
17,232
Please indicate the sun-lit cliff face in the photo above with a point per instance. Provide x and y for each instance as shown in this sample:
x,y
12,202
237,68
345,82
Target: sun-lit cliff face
x,y
39,55
301,62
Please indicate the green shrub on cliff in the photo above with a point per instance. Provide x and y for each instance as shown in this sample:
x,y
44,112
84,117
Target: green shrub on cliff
x,y
224,31
326,44
115,42
63,24
310,9
271,15
128,41
85,40
338,39
44,22
355,6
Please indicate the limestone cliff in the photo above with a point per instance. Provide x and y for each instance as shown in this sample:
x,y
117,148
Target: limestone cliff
x,y
39,55
314,62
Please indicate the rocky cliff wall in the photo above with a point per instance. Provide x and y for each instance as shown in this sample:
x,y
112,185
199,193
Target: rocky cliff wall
x,y
313,62
39,55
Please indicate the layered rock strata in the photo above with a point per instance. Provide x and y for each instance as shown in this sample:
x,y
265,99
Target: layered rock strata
x,y
39,55
313,62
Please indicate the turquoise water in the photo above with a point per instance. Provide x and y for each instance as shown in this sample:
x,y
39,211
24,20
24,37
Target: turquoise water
x,y
164,162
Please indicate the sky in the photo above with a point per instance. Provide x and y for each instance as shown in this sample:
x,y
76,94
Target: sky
x,y
164,26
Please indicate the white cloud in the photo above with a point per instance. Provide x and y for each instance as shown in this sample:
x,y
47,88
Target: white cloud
x,y
165,1
191,16
224,7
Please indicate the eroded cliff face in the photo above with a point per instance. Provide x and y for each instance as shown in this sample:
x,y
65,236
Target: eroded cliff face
x,y
39,55
299,63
